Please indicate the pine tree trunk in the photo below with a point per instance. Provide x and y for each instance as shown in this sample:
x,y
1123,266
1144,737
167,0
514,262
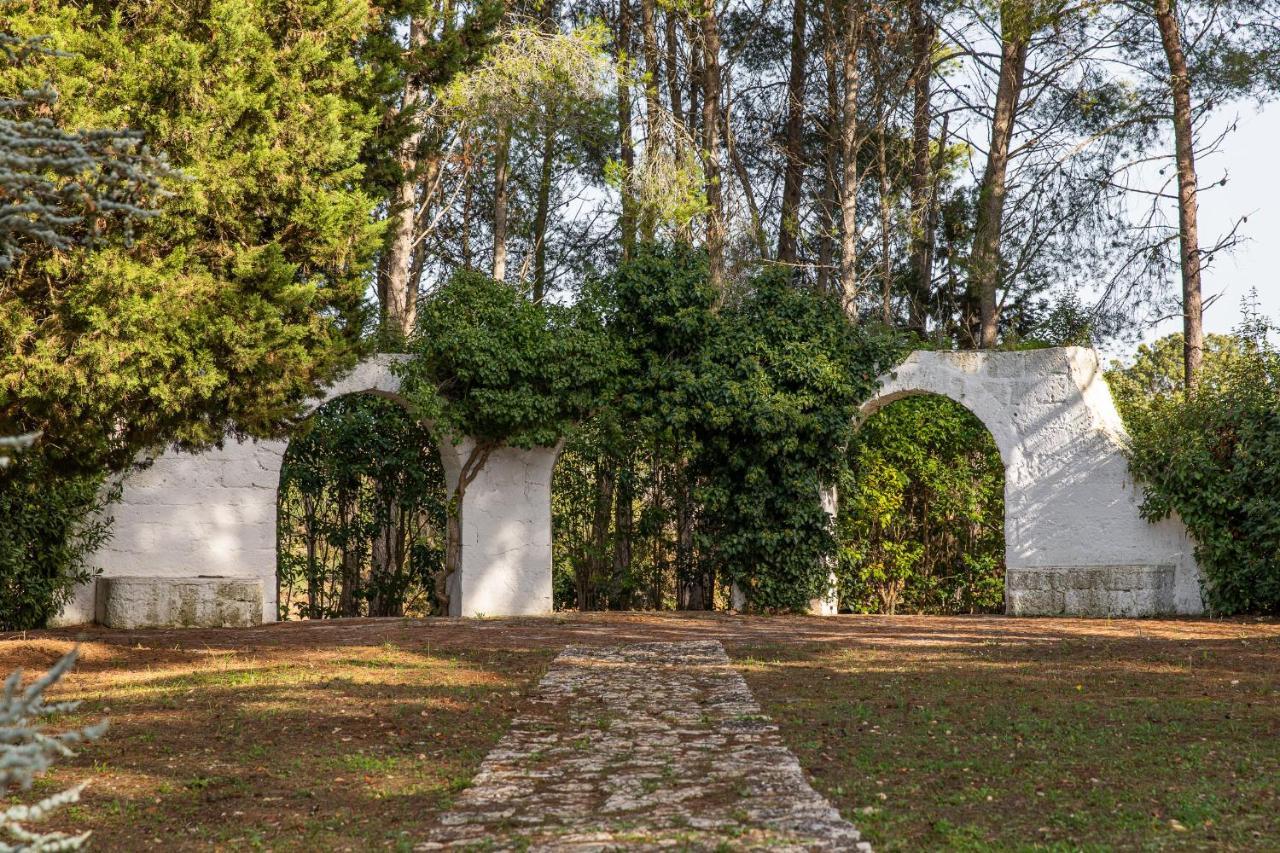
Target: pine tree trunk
x,y
922,185
673,63
1188,204
830,195
711,143
501,157
854,19
543,212
984,262
793,174
626,145
623,523
652,119
589,594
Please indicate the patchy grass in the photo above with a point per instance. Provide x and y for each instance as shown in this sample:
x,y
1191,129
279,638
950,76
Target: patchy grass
x,y
929,733
982,734
281,748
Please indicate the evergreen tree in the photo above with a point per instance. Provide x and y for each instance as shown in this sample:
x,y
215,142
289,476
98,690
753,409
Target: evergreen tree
x,y
248,290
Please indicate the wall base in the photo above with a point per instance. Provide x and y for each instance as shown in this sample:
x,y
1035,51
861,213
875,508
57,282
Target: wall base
x,y
1090,591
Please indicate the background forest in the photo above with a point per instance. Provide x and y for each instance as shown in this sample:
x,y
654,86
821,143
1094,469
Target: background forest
x,y
684,236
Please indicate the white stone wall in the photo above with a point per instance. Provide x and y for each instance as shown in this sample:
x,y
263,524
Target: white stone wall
x,y
1074,542
213,515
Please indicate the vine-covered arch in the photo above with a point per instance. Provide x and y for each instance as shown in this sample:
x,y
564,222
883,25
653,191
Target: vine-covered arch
x,y
1074,540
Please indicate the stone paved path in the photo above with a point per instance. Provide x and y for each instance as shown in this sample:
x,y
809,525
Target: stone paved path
x,y
637,747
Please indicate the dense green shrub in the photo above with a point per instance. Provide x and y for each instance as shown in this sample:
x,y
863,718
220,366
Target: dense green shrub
x,y
778,391
49,525
1213,457
921,520
361,513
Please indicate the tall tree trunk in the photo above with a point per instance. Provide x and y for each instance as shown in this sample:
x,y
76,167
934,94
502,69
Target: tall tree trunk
x,y
652,119
599,558
673,63
543,212
348,597
830,195
627,222
501,156
1188,204
623,523
984,262
793,173
711,142
922,185
398,290
854,18
471,468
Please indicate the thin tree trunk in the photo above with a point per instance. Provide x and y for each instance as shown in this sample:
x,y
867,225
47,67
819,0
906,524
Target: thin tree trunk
x,y
922,185
854,19
543,212
398,289
627,222
1188,204
793,173
984,262
348,600
589,597
711,143
652,122
623,523
886,228
501,157
830,198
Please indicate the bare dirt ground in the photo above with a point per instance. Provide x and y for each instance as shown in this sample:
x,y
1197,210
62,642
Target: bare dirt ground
x,y
927,732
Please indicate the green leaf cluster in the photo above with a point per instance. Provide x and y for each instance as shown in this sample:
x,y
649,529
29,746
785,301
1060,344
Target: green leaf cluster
x,y
1213,457
491,364
51,523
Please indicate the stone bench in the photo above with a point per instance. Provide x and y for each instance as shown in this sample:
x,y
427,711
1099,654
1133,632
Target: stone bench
x,y
172,602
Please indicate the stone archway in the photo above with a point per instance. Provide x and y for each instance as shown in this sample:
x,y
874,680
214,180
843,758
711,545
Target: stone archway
x,y
194,535
1074,540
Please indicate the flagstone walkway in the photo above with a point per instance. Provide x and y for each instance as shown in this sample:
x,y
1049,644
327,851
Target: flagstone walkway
x,y
637,747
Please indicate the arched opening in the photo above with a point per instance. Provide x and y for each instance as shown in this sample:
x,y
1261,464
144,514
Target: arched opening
x,y
622,525
921,513
360,521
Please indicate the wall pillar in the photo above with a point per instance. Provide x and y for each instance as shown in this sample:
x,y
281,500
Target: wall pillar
x,y
506,531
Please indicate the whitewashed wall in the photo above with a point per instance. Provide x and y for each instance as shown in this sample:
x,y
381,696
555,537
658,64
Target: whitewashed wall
x,y
1074,541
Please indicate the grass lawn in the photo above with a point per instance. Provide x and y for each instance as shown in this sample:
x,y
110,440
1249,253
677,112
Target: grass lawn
x,y
928,733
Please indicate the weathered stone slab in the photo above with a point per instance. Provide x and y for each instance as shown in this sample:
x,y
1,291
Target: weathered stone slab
x,y
173,602
1091,591
639,747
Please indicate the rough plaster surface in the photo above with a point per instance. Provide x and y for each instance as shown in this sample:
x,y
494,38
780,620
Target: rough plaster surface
x,y
642,747
214,513
1074,542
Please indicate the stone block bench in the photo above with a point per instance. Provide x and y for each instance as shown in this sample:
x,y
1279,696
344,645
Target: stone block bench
x,y
173,602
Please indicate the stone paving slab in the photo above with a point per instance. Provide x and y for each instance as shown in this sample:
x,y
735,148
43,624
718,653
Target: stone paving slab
x,y
640,747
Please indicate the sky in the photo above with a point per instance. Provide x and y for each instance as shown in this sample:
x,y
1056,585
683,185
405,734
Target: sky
x,y
1250,159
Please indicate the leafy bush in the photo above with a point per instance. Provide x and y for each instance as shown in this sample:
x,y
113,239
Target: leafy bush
x,y
1213,457
362,516
51,524
26,752
922,512
777,393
